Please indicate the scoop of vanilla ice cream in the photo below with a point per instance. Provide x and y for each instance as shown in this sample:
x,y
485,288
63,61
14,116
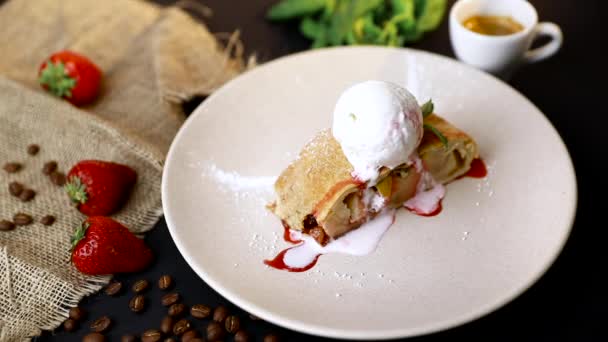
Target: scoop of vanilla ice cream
x,y
377,124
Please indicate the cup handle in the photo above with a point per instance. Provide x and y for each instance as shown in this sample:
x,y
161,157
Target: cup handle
x,y
545,29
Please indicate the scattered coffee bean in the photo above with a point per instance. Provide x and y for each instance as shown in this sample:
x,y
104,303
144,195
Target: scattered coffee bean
x,y
76,313
27,195
140,286
58,178
177,309
166,325
241,336
93,337
271,338
181,327
70,325
170,299
165,282
49,167
200,311
189,335
15,188
5,225
128,338
214,331
21,219
33,149
220,313
12,167
101,324
151,335
137,303
48,220
113,288
232,324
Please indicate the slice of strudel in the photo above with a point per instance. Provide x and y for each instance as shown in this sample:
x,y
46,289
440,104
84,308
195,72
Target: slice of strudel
x,y
318,193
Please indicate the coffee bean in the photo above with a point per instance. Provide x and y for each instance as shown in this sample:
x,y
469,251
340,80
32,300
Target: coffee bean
x,y
177,309
241,336
93,337
70,325
200,311
232,324
137,303
215,331
101,324
181,327
5,225
21,219
128,338
49,167
170,299
12,167
15,188
48,220
271,338
58,178
27,195
189,335
76,313
151,335
220,313
140,286
165,282
113,288
33,149
166,325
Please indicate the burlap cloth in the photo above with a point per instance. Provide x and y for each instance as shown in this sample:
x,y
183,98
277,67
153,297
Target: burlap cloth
x,y
153,58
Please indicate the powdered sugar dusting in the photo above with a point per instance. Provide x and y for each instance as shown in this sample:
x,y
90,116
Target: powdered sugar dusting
x,y
238,183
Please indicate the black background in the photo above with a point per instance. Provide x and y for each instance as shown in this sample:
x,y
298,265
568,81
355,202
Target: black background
x,y
569,303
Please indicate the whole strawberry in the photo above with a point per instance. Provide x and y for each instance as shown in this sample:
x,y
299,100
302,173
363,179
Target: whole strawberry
x,y
100,188
71,76
104,246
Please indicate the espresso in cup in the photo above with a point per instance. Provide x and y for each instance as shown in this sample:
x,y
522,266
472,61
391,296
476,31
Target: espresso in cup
x,y
493,25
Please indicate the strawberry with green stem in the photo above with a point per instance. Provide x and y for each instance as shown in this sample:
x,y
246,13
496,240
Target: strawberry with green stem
x,y
99,187
71,76
102,246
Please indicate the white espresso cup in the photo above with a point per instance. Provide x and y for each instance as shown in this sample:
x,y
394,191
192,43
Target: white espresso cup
x,y
501,55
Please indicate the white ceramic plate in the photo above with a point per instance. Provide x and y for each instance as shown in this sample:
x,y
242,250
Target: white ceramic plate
x,y
495,237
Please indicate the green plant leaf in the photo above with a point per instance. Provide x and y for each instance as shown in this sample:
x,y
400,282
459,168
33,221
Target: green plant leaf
x,y
427,108
437,133
288,9
431,15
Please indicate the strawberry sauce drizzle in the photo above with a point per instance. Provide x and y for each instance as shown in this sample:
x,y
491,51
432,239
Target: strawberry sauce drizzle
x,y
279,262
434,213
478,169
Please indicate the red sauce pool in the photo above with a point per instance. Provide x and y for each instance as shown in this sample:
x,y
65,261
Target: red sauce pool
x,y
279,263
434,213
287,235
478,169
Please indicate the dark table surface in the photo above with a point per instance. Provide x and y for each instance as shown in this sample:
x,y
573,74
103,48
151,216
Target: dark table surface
x,y
568,303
